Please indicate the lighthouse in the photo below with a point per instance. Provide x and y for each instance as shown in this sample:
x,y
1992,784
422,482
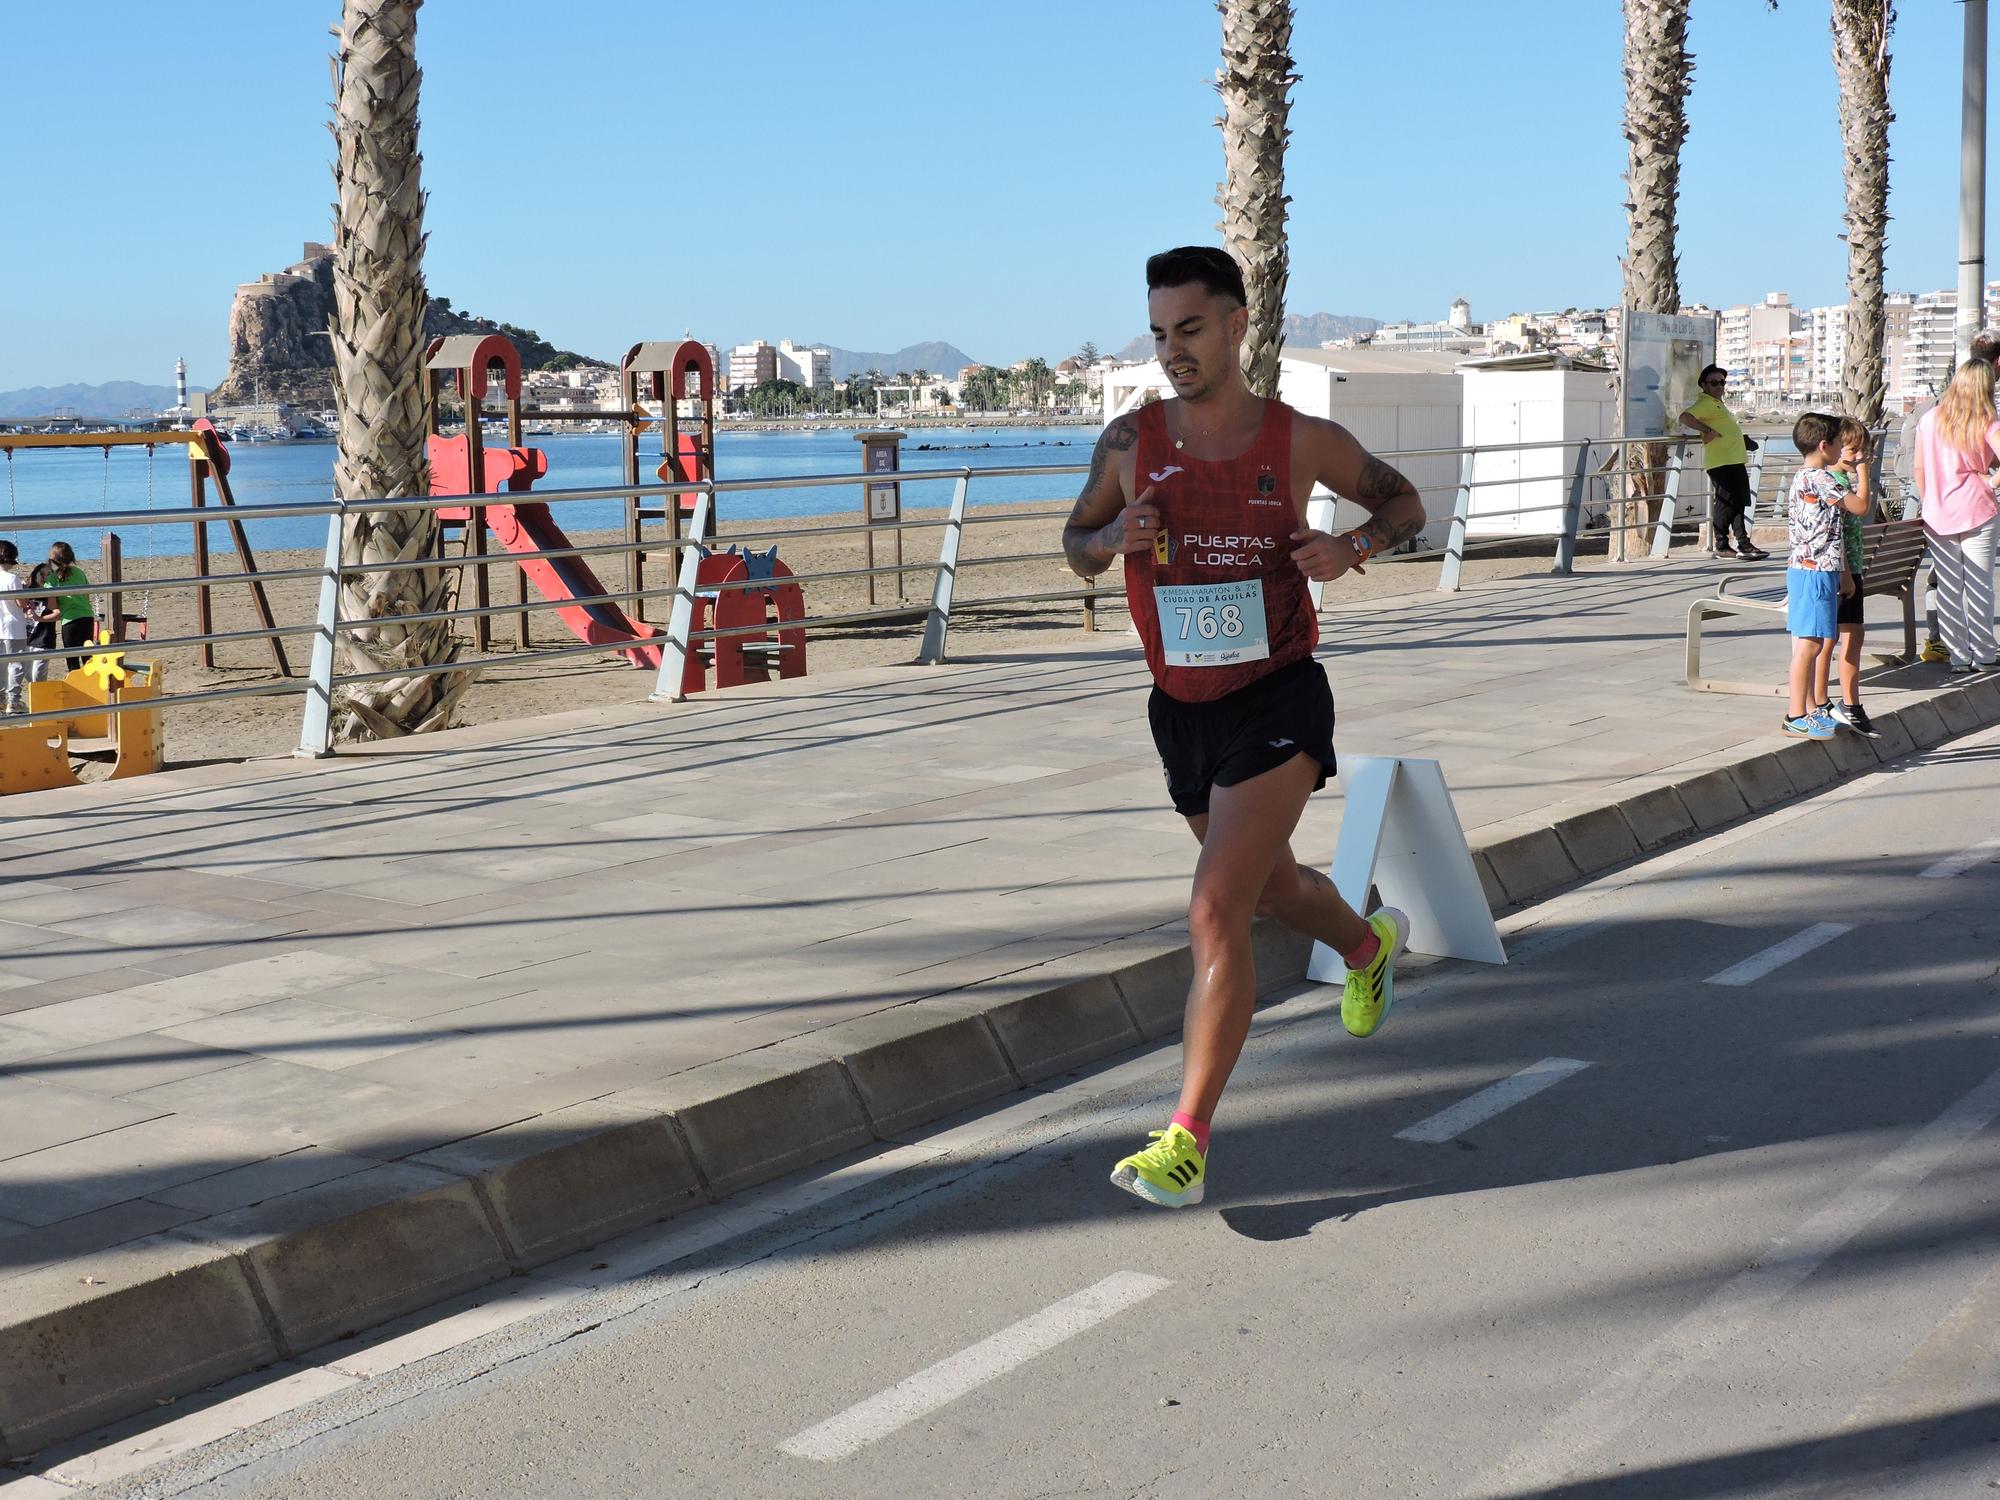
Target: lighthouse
x,y
181,387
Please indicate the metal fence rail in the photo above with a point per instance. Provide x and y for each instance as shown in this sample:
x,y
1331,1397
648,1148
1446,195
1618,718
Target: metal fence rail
x,y
1573,465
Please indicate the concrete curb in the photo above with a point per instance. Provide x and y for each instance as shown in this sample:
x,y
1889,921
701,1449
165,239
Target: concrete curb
x,y
178,1311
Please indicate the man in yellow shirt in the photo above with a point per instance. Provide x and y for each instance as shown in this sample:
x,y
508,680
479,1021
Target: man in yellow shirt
x,y
1725,453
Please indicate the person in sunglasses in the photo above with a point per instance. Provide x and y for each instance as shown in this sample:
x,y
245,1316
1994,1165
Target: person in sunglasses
x,y
1725,453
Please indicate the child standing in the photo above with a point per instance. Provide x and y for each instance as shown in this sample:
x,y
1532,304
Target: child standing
x,y
1815,574
13,632
1856,506
42,618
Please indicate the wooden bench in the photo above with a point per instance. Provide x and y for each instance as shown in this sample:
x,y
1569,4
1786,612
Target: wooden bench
x,y
1891,553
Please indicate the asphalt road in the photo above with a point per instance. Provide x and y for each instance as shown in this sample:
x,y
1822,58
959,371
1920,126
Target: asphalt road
x,y
1698,1197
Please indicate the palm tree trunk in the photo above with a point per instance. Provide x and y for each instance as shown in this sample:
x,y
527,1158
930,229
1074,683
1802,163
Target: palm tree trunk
x,y
1255,81
1659,71
1861,61
378,347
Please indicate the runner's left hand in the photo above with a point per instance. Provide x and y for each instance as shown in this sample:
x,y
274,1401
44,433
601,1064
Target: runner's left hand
x,y
1320,557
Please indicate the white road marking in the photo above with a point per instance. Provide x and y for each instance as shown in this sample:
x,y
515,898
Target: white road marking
x,y
1677,1355
1964,860
944,1382
1490,1100
1757,965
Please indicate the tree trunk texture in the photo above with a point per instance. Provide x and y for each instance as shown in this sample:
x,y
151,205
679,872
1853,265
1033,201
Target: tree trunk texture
x,y
378,348
1255,82
1659,71
1861,62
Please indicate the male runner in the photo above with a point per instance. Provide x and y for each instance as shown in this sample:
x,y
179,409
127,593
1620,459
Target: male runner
x,y
1204,496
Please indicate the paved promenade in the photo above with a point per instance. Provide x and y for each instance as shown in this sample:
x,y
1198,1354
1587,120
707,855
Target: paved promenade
x,y
232,983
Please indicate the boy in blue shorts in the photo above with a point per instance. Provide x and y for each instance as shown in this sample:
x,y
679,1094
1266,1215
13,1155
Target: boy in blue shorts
x,y
1815,574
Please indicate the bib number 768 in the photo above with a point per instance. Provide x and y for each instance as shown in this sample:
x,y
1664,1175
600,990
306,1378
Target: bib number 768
x,y
1210,624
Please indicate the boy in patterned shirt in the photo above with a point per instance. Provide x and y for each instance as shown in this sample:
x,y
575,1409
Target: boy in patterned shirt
x,y
1816,575
1856,456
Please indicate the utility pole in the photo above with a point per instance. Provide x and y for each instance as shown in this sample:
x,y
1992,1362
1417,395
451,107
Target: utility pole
x,y
1972,185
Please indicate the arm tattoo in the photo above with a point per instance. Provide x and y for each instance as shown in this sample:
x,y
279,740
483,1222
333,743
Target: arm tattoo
x,y
1077,537
1378,481
1388,537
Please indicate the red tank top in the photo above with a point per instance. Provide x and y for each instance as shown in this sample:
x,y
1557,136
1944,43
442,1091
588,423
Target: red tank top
x,y
1236,604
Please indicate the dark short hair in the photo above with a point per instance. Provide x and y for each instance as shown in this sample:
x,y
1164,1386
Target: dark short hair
x,y
1214,268
1814,431
1708,370
1986,346
9,553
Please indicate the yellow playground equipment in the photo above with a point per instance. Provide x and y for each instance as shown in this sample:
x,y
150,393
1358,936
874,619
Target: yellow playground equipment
x,y
36,757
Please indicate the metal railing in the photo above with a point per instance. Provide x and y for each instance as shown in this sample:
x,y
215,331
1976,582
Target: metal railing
x,y
1573,466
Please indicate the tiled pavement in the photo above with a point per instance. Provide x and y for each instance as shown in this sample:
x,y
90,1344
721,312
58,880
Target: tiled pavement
x,y
227,983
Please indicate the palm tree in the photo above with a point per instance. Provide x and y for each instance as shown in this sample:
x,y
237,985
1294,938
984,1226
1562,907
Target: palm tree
x,y
1861,61
378,347
1659,71
1255,82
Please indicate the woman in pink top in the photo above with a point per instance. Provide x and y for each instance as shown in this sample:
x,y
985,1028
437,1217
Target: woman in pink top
x,y
1958,445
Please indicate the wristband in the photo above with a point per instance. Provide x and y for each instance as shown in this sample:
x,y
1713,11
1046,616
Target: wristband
x,y
1362,542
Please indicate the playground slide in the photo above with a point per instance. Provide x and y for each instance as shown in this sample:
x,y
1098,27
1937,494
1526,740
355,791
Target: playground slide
x,y
528,527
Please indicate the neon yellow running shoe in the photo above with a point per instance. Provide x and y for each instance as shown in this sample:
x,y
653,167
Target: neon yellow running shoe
x,y
1934,652
1171,1172
1364,1005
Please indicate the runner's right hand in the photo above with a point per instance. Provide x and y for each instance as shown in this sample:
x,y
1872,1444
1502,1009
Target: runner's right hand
x,y
1136,526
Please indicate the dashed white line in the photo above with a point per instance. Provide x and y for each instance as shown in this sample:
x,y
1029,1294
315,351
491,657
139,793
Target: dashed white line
x,y
1757,965
944,1382
1965,859
1489,1101
1676,1356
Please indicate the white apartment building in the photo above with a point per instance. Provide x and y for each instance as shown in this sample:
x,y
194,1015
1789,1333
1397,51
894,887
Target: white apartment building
x,y
750,365
1828,336
1928,352
1740,328
809,367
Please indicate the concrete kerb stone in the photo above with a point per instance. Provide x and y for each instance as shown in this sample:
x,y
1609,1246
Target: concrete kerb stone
x,y
758,1115
1713,799
1597,838
1849,753
1959,711
1808,766
338,1258
1762,782
914,1063
1658,817
1530,864
151,1320
1892,741
573,1177
1925,724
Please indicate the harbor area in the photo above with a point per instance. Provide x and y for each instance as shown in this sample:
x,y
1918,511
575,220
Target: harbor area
x,y
314,1028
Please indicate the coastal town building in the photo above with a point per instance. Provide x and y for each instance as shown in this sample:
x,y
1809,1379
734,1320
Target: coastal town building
x,y
751,364
811,367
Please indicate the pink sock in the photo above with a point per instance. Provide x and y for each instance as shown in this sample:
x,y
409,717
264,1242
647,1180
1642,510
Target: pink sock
x,y
1196,1128
1364,955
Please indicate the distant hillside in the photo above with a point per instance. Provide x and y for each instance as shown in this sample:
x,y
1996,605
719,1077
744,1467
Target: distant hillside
x,y
938,358
1300,328
111,399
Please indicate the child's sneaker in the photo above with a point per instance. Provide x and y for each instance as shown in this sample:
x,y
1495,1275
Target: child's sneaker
x,y
1853,716
1808,727
1171,1172
1821,717
1934,652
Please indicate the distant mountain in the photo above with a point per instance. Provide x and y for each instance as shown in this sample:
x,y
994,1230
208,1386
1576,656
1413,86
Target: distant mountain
x,y
112,399
1300,328
938,358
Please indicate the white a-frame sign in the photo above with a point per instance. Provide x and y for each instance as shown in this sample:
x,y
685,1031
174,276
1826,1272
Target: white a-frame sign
x,y
1401,834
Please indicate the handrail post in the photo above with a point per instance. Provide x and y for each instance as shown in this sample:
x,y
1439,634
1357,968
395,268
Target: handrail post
x,y
1663,534
1461,516
938,621
316,727
1319,517
669,686
1573,510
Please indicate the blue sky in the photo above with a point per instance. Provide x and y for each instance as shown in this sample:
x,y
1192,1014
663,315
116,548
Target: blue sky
x,y
609,170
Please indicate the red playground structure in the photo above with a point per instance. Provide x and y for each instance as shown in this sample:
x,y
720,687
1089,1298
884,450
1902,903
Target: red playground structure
x,y
464,465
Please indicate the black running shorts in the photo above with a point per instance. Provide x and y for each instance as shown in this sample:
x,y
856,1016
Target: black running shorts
x,y
1244,734
1848,611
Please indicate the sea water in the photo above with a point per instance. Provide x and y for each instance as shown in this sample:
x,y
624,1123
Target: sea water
x,y
57,481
